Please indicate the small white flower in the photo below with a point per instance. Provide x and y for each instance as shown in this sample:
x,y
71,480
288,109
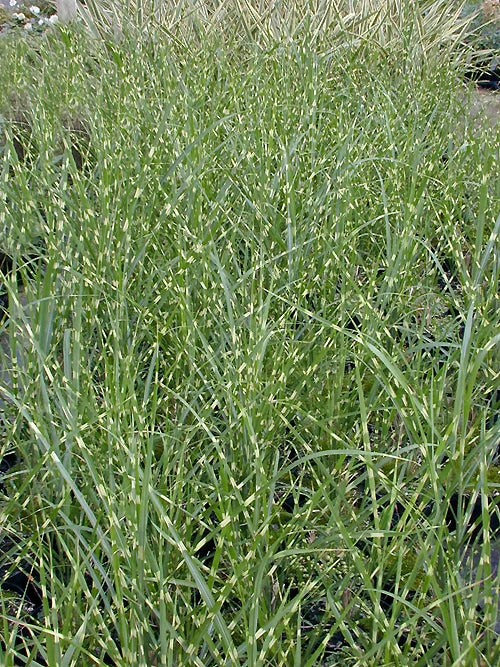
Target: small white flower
x,y
19,16
41,21
13,3
28,26
54,18
34,9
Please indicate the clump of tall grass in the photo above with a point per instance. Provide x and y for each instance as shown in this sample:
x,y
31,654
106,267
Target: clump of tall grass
x,y
258,356
432,23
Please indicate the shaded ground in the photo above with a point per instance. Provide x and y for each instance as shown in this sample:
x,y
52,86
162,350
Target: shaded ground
x,y
486,107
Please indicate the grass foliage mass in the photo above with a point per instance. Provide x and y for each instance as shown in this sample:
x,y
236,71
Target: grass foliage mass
x,y
251,356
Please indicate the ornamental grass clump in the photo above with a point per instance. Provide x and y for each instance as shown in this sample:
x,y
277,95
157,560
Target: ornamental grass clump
x,y
254,416
426,23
